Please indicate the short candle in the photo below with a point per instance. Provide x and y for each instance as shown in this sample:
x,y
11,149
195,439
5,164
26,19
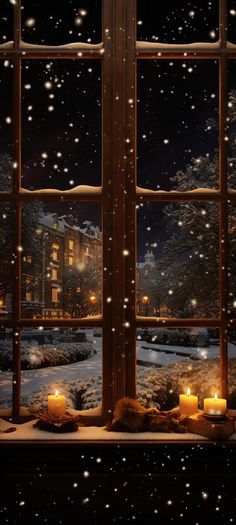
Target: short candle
x,y
56,404
188,404
215,406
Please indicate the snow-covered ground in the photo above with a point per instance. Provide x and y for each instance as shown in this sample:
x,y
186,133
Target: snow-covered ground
x,y
178,364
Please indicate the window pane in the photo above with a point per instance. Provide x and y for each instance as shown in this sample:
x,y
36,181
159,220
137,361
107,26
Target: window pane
x,y
232,124
7,260
68,360
232,369
61,124
58,23
171,360
178,260
232,21
6,124
6,354
232,260
177,124
58,282
177,23
6,21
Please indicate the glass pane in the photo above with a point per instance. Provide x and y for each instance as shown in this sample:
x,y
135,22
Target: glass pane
x,y
178,259
170,360
6,125
7,260
62,260
6,375
232,21
232,260
61,124
58,23
68,360
6,21
177,124
232,369
177,23
231,125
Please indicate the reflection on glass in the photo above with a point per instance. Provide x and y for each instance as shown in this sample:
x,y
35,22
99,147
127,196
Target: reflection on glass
x,y
232,369
178,260
232,260
177,23
68,360
58,23
7,260
6,21
177,124
61,124
6,354
232,21
62,258
231,133
6,125
170,360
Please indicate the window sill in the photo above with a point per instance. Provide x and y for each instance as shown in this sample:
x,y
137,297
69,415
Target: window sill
x,y
27,433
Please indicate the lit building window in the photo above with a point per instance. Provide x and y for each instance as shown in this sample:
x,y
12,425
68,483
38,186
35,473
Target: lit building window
x,y
70,260
55,292
28,297
71,244
54,274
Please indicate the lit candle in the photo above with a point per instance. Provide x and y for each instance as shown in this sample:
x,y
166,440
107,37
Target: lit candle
x,y
188,404
215,406
56,404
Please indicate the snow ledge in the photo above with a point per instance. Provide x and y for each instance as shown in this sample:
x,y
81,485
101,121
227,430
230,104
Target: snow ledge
x,y
77,189
157,192
140,44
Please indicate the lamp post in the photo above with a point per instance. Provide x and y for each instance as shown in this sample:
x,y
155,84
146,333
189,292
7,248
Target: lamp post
x,y
145,301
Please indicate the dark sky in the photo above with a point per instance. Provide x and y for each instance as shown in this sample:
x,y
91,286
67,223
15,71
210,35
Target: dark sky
x,y
61,111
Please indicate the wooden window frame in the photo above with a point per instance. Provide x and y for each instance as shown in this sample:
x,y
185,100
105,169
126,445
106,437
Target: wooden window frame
x,y
119,197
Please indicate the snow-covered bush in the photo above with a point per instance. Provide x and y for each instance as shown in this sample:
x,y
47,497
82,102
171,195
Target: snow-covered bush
x,y
40,356
175,337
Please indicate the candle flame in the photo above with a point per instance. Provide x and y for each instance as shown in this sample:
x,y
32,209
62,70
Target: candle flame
x,y
216,397
56,393
188,391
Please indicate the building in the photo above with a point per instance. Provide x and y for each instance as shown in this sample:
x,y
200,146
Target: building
x,y
65,247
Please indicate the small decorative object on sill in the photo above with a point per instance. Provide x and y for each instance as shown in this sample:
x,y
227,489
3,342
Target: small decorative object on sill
x,y
188,403
130,416
51,423
216,428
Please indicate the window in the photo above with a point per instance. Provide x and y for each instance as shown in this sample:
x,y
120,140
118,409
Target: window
x,y
71,260
55,295
54,274
71,244
130,174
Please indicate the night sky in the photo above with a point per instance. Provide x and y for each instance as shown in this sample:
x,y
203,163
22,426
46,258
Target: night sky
x,y
61,104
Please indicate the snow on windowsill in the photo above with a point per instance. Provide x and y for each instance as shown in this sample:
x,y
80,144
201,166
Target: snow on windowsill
x,y
72,45
27,432
201,45
7,45
77,189
197,190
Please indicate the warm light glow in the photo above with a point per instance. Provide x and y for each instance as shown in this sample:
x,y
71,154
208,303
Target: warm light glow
x,y
56,393
188,391
145,299
216,397
93,298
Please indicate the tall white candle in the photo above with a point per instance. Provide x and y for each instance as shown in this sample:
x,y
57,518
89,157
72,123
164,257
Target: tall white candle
x,y
188,404
56,404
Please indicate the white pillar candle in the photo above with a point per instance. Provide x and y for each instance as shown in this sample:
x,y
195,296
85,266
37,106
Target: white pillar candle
x,y
56,404
188,404
215,406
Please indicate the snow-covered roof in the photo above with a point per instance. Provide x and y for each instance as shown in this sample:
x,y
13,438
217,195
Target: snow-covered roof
x,y
50,219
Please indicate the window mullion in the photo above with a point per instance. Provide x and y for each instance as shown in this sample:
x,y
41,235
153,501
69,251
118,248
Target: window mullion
x,y
16,387
131,100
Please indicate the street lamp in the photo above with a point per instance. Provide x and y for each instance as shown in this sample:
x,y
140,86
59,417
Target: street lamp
x,y
93,298
145,301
